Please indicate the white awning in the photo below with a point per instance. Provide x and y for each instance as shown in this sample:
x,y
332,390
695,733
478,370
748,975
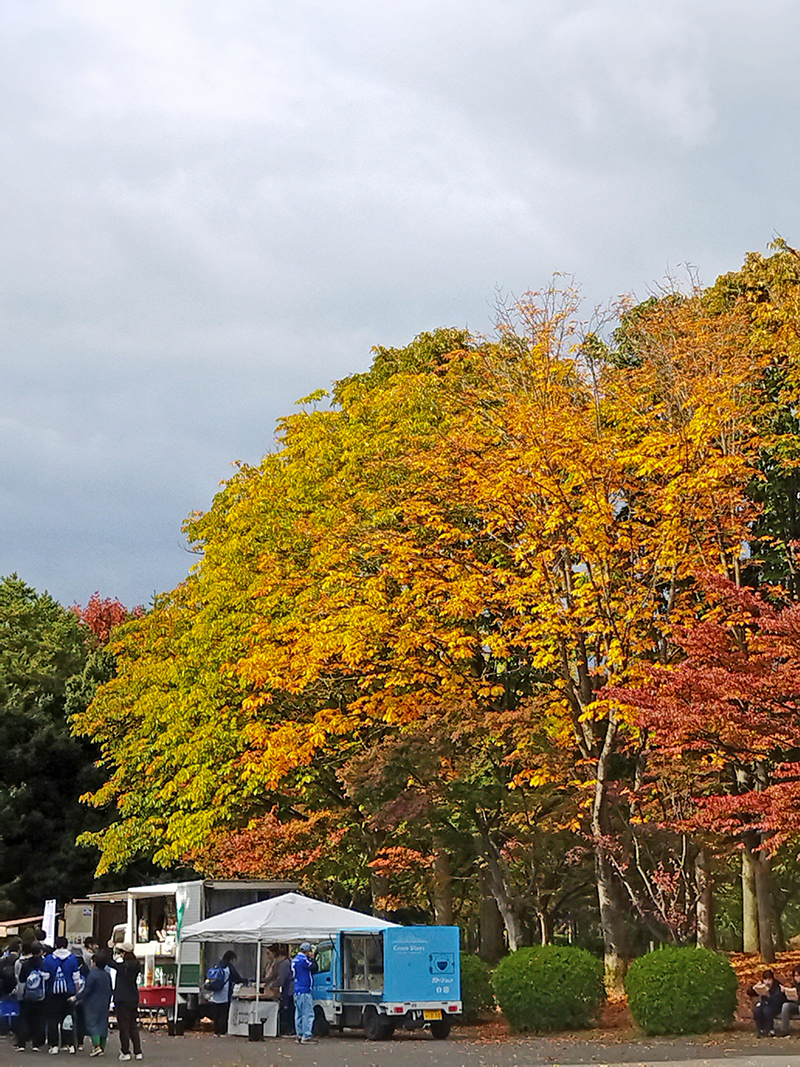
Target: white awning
x,y
289,917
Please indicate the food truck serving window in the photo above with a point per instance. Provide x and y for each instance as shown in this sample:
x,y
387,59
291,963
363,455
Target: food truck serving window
x,y
363,962
156,919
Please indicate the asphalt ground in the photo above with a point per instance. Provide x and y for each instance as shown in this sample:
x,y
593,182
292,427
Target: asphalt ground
x,y
461,1049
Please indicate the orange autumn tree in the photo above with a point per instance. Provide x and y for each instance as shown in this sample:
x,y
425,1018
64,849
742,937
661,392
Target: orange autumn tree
x,y
551,536
483,536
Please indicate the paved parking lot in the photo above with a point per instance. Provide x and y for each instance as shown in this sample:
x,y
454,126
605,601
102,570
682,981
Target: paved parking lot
x,y
462,1049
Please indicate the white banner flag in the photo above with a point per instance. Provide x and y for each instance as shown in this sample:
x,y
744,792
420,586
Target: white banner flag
x,y
49,921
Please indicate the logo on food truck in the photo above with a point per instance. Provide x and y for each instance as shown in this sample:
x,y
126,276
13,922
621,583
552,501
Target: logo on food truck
x,y
442,963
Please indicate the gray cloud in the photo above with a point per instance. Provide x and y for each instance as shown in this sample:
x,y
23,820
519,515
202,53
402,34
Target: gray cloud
x,y
211,209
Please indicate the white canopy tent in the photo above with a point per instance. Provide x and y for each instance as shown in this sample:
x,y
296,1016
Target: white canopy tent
x,y
288,917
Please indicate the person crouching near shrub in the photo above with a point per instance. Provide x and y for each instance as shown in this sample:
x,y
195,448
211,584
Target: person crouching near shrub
x,y
791,1005
767,1008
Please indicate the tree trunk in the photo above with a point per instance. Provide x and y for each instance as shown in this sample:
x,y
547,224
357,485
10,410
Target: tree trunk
x,y
501,891
442,887
612,924
705,903
749,908
545,926
492,944
778,933
766,942
612,916
515,931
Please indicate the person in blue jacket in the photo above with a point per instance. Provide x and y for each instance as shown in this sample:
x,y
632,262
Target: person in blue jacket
x,y
62,966
304,967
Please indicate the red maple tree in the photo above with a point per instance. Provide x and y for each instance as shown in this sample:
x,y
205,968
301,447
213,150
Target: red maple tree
x,y
103,614
731,710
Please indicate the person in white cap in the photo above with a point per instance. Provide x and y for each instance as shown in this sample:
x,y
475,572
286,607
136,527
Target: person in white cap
x,y
304,967
126,1001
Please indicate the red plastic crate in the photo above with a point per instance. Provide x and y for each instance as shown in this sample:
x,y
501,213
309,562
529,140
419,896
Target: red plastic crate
x,y
156,996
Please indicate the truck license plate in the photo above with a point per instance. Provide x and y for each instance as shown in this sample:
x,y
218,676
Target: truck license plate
x,y
431,1015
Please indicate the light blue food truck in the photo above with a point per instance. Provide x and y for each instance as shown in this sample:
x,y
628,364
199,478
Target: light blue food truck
x,y
407,976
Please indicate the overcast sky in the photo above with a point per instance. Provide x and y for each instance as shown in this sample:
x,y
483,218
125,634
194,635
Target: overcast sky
x,y
212,209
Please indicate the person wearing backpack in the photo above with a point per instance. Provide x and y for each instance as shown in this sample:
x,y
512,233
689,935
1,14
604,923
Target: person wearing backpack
x,y
10,957
8,983
8,974
31,995
24,954
220,980
96,999
61,965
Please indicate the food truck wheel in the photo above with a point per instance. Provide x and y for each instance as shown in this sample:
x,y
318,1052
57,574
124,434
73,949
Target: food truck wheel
x,y
376,1027
321,1027
441,1028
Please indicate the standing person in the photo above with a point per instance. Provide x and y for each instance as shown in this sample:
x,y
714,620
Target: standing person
x,y
7,961
221,980
31,994
24,954
304,967
771,998
286,982
96,998
78,1016
8,969
126,1001
61,966
40,936
8,980
271,968
90,946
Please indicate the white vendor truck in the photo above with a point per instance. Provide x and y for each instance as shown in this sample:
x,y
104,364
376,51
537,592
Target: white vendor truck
x,y
152,916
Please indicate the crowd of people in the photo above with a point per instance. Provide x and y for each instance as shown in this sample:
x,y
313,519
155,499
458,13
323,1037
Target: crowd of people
x,y
65,994
287,981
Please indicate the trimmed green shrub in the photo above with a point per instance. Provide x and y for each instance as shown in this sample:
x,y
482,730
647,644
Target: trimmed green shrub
x,y
477,992
549,988
681,991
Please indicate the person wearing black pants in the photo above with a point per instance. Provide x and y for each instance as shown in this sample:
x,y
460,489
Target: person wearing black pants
x,y
221,1012
771,999
31,1008
62,966
126,1001
31,1024
222,997
286,983
57,1008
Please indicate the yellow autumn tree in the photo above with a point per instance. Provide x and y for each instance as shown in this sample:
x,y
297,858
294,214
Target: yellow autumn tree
x,y
480,535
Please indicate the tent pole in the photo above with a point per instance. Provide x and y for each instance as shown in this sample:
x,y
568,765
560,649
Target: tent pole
x,y
258,968
179,914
